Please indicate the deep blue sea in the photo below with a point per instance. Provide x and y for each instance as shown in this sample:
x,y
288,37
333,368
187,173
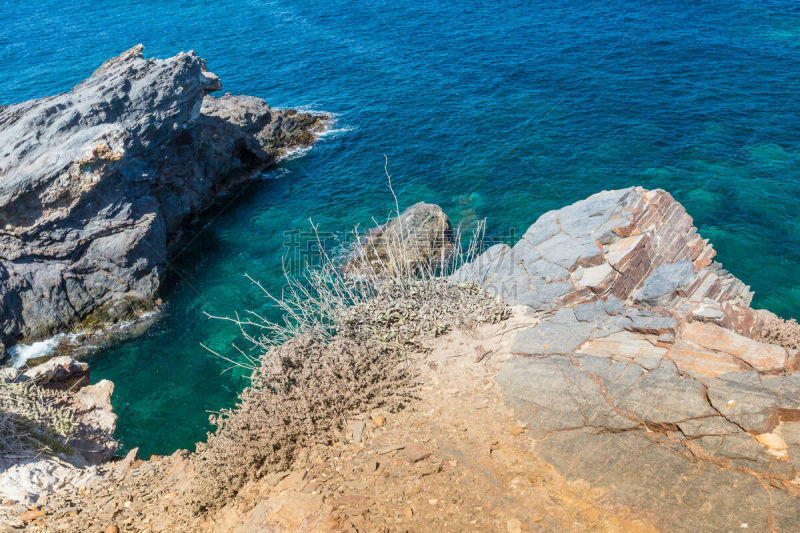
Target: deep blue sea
x,y
498,110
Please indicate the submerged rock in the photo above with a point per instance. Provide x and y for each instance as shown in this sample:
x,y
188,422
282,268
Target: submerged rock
x,y
97,183
643,368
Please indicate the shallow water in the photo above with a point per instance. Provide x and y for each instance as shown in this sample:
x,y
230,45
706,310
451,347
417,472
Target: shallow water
x,y
499,111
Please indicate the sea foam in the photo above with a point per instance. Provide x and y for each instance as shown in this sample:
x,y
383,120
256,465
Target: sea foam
x,y
22,353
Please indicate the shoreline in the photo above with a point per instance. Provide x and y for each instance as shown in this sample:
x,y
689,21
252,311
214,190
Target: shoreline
x,y
81,344
235,139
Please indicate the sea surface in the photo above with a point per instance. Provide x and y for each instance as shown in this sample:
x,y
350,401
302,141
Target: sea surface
x,y
495,110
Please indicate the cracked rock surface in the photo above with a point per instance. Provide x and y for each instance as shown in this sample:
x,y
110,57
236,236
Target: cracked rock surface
x,y
96,184
641,369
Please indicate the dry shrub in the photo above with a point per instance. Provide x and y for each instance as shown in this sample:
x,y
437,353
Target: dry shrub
x,y
776,330
342,348
301,396
306,389
402,317
33,420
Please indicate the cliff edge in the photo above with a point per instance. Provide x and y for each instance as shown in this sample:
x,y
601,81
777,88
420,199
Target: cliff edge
x,y
630,387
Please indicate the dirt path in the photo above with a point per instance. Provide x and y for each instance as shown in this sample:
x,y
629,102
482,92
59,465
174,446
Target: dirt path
x,y
457,461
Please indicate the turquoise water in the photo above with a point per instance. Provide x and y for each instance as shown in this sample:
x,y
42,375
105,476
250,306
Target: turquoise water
x,y
501,110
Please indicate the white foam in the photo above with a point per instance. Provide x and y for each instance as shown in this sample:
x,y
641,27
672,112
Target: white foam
x,y
309,109
333,132
126,324
294,153
22,353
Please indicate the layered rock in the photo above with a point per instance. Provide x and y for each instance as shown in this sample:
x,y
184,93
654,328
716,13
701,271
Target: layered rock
x,y
96,184
642,368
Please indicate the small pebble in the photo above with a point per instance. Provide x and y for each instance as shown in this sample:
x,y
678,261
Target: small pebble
x,y
32,514
357,429
514,526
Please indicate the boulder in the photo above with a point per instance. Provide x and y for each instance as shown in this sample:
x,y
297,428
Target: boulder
x,y
8,374
98,182
28,476
33,479
58,372
419,238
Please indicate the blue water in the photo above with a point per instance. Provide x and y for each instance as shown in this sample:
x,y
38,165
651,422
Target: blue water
x,y
500,110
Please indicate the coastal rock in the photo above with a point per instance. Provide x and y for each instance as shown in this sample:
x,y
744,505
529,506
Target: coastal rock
x,y
8,373
94,439
29,476
33,479
62,371
419,238
645,371
98,183
637,245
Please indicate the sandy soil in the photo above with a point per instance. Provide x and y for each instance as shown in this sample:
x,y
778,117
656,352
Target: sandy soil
x,y
457,461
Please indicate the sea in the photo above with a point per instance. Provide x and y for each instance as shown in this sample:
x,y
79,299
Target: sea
x,y
497,111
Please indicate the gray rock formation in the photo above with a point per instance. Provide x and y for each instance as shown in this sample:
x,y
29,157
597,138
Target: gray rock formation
x,y
643,371
97,183
420,238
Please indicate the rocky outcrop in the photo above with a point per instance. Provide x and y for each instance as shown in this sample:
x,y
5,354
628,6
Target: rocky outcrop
x,y
642,369
97,184
71,463
62,372
94,437
65,384
419,238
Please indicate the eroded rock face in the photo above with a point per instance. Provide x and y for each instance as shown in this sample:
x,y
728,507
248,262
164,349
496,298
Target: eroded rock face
x,y
94,438
642,371
96,183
